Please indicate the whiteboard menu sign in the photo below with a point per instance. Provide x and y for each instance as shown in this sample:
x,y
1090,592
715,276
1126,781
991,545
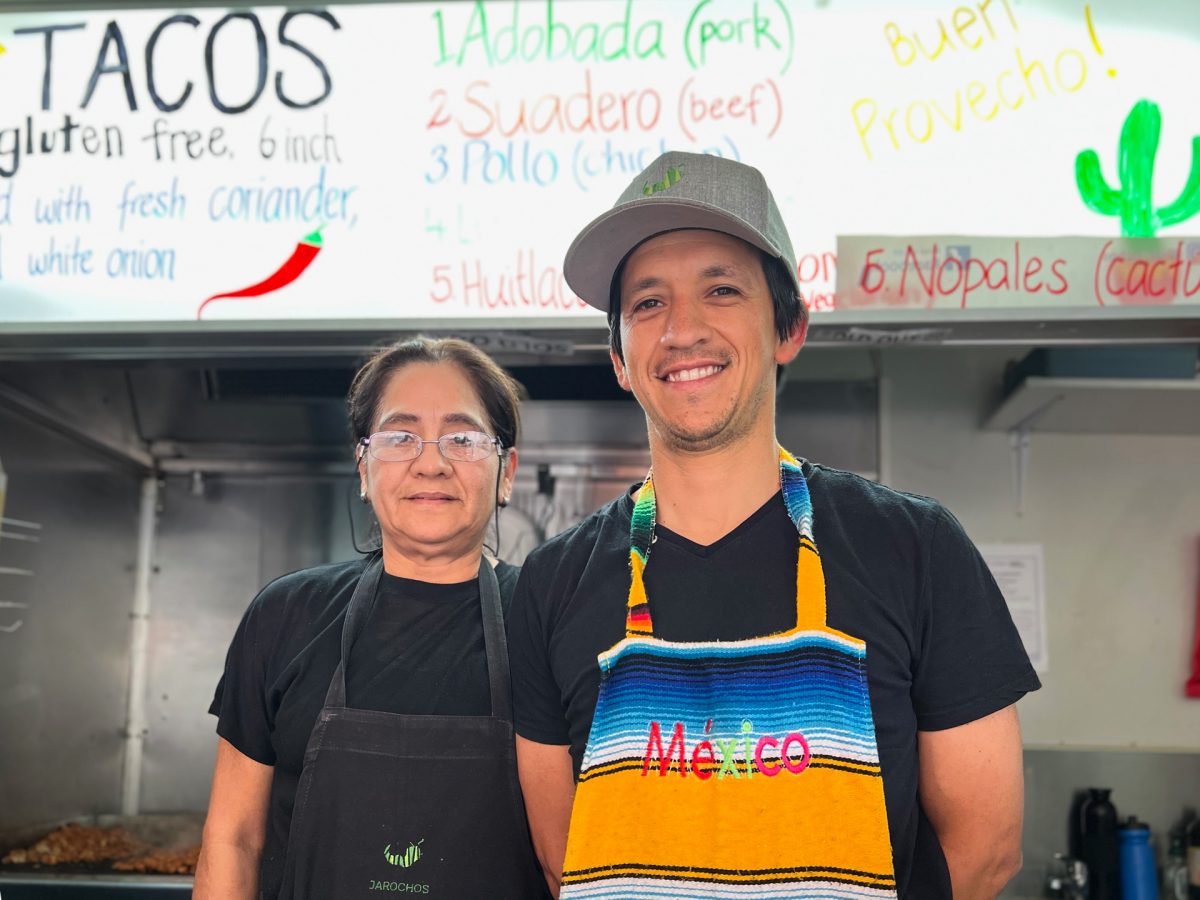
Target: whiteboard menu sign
x,y
430,161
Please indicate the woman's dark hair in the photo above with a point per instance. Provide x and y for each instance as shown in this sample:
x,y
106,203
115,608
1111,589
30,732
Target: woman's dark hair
x,y
499,392
790,311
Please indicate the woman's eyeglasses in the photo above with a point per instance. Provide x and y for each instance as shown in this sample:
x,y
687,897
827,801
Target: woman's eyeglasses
x,y
462,446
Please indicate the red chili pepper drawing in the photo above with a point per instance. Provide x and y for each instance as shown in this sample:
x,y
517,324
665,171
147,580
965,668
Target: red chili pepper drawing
x,y
306,251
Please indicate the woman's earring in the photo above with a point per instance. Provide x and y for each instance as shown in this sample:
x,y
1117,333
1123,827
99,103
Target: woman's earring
x,y
503,502
362,495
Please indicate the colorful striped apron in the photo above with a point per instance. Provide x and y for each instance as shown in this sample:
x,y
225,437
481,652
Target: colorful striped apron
x,y
731,770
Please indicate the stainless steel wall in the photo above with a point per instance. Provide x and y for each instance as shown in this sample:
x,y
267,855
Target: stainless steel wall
x,y
220,536
219,541
63,672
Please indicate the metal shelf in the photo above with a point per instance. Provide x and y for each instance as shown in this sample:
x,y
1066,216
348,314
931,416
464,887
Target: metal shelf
x,y
1100,406
18,530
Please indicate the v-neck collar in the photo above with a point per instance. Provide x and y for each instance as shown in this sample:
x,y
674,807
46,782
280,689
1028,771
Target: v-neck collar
x,y
704,551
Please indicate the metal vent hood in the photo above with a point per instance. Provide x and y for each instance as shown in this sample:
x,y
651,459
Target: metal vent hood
x,y
520,342
235,408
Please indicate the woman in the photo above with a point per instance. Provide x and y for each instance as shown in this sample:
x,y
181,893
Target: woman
x,y
364,717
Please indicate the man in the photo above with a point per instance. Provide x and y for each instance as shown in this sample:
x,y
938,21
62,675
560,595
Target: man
x,y
753,676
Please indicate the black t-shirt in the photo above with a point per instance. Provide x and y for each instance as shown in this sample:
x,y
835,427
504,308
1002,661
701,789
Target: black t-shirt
x,y
420,652
900,575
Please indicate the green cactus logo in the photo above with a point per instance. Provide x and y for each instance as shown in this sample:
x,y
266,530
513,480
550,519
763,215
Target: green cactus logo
x,y
410,855
1133,200
673,177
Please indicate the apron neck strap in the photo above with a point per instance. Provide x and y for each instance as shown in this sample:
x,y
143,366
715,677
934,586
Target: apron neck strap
x,y
494,643
810,579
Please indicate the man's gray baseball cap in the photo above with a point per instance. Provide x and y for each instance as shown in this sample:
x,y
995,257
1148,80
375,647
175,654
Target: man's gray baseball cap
x,y
677,190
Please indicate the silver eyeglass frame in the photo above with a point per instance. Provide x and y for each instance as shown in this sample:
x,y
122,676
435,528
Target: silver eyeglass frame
x,y
364,447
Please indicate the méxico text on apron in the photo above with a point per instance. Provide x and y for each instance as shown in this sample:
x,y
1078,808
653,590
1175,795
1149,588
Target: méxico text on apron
x,y
732,769
410,804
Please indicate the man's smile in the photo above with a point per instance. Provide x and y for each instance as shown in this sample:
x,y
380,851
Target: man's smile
x,y
694,373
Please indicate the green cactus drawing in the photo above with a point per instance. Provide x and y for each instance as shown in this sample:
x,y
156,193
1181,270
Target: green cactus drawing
x,y
1133,200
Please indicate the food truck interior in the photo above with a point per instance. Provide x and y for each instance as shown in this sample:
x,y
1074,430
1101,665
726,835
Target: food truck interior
x,y
151,490
210,214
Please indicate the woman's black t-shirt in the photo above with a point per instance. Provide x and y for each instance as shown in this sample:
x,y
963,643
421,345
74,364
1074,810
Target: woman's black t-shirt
x,y
420,652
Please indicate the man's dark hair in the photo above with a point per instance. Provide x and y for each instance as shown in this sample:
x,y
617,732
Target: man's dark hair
x,y
790,311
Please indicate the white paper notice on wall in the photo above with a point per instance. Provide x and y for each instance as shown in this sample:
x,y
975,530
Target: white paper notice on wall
x,y
1019,571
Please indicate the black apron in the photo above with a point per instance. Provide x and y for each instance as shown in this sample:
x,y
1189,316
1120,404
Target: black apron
x,y
399,804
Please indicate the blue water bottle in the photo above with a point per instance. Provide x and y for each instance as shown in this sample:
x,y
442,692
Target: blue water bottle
x,y
1139,879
